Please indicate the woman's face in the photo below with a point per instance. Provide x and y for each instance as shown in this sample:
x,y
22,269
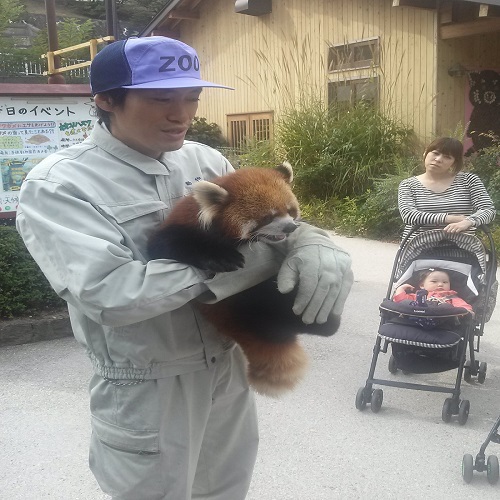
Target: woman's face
x,y
439,163
437,280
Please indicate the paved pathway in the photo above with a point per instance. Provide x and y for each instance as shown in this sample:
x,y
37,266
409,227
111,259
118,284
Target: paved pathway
x,y
315,445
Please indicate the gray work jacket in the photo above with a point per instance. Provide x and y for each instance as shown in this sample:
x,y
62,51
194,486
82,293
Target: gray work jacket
x,y
85,214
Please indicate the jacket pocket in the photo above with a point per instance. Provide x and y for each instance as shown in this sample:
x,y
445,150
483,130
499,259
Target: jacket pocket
x,y
124,212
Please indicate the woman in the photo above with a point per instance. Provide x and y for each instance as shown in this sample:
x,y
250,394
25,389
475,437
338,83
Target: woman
x,y
443,195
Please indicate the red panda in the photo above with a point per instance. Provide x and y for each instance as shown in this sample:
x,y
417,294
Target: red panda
x,y
205,229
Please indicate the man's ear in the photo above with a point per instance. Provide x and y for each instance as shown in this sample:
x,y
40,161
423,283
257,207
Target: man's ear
x,y
104,101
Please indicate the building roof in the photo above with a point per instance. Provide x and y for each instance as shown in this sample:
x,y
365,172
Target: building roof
x,y
458,17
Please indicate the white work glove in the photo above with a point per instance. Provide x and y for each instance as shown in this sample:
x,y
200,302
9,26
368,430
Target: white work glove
x,y
323,278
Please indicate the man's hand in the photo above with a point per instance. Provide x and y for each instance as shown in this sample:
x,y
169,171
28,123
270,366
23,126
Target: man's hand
x,y
323,278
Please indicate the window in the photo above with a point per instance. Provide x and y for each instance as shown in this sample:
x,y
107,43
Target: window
x,y
254,126
359,54
348,92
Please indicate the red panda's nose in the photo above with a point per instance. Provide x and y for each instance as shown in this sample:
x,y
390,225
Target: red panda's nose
x,y
290,228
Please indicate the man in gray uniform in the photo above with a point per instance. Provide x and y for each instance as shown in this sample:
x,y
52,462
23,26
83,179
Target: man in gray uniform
x,y
172,414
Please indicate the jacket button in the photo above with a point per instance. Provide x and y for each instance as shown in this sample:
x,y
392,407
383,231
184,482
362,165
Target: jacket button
x,y
213,360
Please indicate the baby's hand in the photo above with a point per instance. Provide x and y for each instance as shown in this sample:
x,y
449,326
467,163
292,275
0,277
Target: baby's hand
x,y
405,287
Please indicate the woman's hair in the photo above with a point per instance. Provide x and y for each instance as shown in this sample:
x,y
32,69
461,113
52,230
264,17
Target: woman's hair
x,y
448,146
422,275
118,98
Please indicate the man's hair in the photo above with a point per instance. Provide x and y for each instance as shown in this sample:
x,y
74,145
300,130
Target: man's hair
x,y
448,146
117,96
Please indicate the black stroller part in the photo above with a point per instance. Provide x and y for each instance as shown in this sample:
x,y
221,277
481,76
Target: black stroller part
x,y
436,338
481,464
421,337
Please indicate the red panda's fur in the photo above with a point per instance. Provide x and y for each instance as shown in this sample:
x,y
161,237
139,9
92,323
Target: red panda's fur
x,y
205,228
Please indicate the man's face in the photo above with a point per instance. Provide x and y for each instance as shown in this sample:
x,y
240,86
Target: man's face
x,y
153,121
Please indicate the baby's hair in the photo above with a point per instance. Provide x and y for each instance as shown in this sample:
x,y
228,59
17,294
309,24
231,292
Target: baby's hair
x,y
422,275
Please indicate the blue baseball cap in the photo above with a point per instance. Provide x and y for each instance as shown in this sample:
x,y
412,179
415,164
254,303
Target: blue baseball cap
x,y
154,62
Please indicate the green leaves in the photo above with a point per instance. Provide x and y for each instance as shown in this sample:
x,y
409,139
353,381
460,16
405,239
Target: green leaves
x,y
23,287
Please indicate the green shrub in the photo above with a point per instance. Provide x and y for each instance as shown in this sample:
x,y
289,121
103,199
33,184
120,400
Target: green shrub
x,y
338,152
487,166
206,133
23,287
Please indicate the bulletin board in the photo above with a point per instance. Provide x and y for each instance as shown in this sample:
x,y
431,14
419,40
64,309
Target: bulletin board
x,y
31,128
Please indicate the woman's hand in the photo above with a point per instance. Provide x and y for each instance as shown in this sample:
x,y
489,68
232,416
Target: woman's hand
x,y
451,218
458,227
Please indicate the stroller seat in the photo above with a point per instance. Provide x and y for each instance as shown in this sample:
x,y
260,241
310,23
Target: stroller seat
x,y
424,339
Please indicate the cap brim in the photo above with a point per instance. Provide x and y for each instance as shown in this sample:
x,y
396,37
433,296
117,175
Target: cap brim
x,y
176,83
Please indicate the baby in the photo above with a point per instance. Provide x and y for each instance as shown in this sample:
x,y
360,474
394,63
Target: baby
x,y
437,284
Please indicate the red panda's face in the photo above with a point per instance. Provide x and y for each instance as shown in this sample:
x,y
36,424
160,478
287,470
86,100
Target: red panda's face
x,y
249,204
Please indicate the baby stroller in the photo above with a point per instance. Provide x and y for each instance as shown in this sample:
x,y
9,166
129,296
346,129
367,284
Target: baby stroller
x,y
428,338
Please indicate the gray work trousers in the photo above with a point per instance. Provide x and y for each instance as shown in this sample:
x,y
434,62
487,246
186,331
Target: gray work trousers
x,y
191,436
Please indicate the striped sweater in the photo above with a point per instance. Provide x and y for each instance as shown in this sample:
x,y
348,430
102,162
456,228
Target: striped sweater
x,y
465,196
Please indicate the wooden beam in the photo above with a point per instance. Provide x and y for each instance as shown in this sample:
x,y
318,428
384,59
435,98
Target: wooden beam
x,y
478,27
184,14
420,4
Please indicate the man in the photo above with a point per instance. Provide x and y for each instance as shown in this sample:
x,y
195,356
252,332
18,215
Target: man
x,y
172,415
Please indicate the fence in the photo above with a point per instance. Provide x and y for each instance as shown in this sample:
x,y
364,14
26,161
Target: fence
x,y
20,66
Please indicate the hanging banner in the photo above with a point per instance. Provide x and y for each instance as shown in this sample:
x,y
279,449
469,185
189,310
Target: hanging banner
x,y
32,128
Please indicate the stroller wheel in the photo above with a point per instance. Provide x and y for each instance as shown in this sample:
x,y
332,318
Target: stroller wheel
x,y
467,373
446,413
361,399
463,411
492,472
467,467
392,364
377,398
481,376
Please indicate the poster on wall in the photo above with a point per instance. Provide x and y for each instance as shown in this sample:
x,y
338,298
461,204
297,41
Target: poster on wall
x,y
32,128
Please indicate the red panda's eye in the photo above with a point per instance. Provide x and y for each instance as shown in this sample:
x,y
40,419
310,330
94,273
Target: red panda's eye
x,y
266,220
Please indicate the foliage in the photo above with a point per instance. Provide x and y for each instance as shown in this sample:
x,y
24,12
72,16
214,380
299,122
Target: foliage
x,y
138,12
23,287
206,133
10,11
486,165
70,32
257,154
338,152
380,211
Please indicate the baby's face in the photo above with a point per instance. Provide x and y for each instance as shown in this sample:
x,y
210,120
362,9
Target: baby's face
x,y
437,280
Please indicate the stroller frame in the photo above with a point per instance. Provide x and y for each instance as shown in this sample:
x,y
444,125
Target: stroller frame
x,y
482,464
467,368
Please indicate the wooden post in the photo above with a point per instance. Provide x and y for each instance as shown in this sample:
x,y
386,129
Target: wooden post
x,y
50,9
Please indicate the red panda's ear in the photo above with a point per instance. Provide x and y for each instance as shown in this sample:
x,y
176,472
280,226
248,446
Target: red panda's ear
x,y
209,197
285,169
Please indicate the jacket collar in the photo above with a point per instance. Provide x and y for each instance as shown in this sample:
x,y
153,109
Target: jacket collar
x,y
102,137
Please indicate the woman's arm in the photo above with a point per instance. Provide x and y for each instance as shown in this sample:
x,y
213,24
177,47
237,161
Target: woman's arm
x,y
484,209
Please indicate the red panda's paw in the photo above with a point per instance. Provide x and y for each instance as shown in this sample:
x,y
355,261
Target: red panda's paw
x,y
280,372
228,260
